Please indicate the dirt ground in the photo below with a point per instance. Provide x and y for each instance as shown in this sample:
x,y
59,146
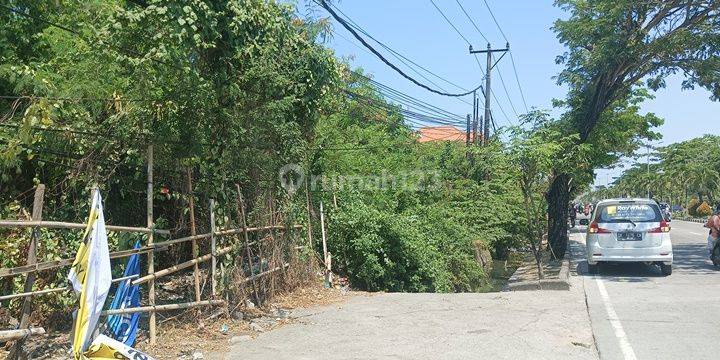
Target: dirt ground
x,y
181,339
187,334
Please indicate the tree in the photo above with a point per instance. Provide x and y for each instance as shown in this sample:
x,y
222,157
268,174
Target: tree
x,y
684,168
612,45
534,147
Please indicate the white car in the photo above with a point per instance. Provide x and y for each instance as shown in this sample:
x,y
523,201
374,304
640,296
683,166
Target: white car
x,y
629,230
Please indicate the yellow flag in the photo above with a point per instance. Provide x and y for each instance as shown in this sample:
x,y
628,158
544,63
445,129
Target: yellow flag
x,y
90,277
106,348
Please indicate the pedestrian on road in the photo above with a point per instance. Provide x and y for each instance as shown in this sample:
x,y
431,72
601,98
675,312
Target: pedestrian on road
x,y
573,214
713,224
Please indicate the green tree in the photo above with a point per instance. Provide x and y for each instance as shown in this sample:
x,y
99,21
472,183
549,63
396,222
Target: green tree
x,y
611,47
535,147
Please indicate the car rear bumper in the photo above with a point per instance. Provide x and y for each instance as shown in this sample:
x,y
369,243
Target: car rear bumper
x,y
662,255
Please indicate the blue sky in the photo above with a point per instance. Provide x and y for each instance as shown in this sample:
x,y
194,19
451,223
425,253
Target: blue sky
x,y
416,29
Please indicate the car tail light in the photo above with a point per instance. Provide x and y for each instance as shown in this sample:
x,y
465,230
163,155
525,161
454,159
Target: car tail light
x,y
595,229
663,228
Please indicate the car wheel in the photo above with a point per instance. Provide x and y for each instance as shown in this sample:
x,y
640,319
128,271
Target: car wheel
x,y
666,269
592,269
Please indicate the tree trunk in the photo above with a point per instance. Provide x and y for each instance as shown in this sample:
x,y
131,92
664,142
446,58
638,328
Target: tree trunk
x,y
558,199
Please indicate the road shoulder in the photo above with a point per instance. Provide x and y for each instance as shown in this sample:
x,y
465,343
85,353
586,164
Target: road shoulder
x,y
510,325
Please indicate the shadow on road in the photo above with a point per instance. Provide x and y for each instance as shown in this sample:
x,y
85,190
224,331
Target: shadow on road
x,y
689,259
693,259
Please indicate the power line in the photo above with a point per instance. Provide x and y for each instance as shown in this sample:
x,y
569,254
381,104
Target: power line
x,y
472,21
496,22
507,94
512,60
367,51
517,78
349,28
507,118
398,55
450,22
413,115
405,98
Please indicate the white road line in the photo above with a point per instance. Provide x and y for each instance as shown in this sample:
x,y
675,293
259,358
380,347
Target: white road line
x,y
694,233
625,347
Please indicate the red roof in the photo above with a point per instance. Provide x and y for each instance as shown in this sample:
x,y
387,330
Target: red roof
x,y
441,133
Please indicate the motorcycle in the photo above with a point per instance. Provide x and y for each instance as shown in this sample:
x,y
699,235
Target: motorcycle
x,y
715,254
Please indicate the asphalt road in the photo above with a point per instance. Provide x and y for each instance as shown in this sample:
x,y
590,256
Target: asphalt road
x,y
514,325
628,311
636,313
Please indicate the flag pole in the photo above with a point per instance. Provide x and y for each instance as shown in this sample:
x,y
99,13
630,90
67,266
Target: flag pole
x,y
151,254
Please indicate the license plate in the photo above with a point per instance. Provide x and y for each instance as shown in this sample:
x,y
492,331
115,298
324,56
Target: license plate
x,y
629,236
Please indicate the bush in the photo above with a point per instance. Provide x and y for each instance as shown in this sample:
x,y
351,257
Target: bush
x,y
416,251
692,207
703,210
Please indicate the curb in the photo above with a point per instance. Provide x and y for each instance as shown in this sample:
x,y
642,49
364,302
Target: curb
x,y
701,221
561,283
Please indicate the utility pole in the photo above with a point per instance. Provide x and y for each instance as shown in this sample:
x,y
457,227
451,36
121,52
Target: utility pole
x,y
487,90
467,131
475,118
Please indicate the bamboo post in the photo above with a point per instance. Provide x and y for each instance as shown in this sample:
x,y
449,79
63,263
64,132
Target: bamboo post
x,y
9,335
273,252
151,255
180,266
243,221
309,212
193,232
213,245
31,260
168,307
54,290
324,243
70,225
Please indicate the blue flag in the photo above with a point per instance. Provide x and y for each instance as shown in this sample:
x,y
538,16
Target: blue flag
x,y
124,327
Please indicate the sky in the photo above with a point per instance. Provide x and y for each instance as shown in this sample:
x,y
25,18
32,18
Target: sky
x,y
416,29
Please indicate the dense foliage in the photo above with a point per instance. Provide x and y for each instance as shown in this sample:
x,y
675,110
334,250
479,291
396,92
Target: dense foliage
x,y
685,173
405,216
226,90
230,92
613,47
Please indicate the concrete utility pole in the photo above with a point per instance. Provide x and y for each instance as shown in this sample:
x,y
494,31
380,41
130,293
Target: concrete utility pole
x,y
487,90
467,131
475,118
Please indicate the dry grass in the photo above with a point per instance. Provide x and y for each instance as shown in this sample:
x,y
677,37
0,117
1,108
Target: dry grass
x,y
180,337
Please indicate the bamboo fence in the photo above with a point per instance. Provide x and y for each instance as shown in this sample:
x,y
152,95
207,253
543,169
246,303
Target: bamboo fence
x,y
32,266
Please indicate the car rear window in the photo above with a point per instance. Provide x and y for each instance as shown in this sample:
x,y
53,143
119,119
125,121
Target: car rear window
x,y
614,213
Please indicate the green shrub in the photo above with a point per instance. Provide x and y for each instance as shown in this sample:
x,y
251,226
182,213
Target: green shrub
x,y
692,207
703,210
420,249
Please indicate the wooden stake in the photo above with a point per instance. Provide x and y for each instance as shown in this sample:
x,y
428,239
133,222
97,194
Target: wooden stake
x,y
168,307
309,214
54,290
193,232
264,273
180,266
151,255
47,265
70,225
31,260
9,335
243,222
324,243
213,245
